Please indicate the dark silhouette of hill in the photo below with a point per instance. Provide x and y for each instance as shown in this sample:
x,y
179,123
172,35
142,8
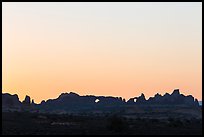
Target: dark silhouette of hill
x,y
70,113
75,103
174,99
10,102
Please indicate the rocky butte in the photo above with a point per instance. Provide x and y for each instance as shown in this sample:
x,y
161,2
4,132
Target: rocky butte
x,y
74,103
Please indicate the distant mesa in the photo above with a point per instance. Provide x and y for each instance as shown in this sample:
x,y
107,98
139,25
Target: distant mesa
x,y
71,94
74,102
10,100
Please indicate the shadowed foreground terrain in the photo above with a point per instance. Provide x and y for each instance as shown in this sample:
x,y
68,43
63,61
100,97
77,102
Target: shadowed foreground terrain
x,y
55,124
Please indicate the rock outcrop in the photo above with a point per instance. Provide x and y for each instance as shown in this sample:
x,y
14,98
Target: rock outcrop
x,y
33,102
74,102
9,100
141,99
27,100
174,99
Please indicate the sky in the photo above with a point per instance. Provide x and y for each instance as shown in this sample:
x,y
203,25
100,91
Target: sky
x,y
111,49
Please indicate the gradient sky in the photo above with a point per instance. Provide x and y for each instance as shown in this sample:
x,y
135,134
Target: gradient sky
x,y
117,49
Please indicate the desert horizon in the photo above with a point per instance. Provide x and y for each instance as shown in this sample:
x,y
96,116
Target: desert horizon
x,y
67,66
21,99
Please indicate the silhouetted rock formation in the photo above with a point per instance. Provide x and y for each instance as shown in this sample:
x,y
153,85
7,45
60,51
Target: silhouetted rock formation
x,y
174,99
42,102
157,99
9,100
196,102
71,94
176,92
141,99
27,100
124,100
33,103
189,100
137,100
74,102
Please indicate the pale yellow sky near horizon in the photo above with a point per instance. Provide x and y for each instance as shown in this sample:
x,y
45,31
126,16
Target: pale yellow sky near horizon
x,y
110,49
